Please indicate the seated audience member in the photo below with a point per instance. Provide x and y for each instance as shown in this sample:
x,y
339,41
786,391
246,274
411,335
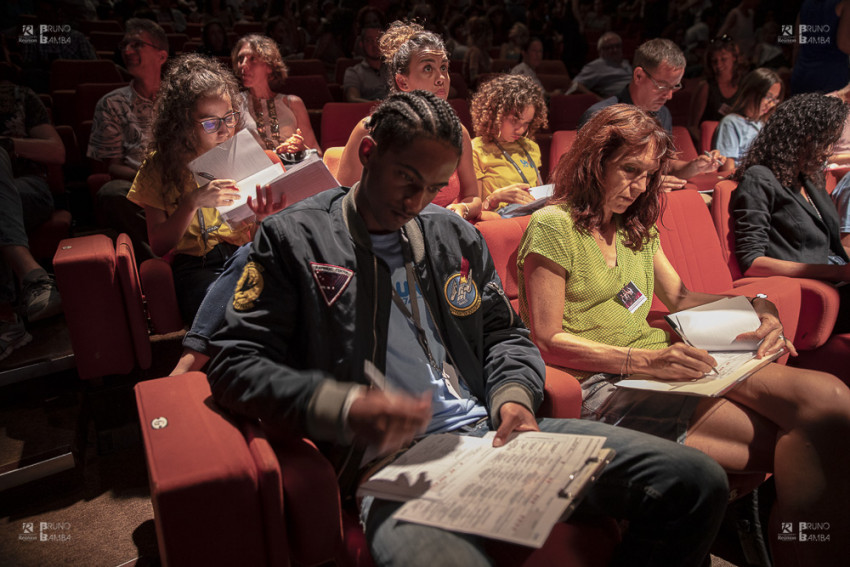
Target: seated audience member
x,y
597,239
714,94
477,60
195,112
368,80
609,73
121,130
276,364
739,25
784,221
417,59
659,67
506,113
275,116
214,40
518,38
532,56
28,142
760,92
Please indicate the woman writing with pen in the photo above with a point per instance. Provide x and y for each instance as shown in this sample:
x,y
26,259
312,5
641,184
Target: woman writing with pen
x,y
193,114
596,240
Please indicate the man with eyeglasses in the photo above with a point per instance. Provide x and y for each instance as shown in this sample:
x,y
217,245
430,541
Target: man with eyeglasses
x,y
609,73
659,66
122,127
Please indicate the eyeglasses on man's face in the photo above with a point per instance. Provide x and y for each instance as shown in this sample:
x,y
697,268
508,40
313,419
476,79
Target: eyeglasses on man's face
x,y
212,125
662,87
136,45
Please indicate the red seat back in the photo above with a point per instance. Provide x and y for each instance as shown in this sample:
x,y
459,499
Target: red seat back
x,y
562,141
503,237
706,135
690,242
684,144
340,118
566,110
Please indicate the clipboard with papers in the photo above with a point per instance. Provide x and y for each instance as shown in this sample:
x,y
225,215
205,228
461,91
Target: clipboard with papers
x,y
514,493
244,160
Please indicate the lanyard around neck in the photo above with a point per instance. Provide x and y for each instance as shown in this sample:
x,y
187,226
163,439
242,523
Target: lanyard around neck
x,y
518,169
415,317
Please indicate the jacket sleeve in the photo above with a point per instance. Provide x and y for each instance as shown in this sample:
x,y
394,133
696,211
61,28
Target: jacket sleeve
x,y
513,367
256,371
750,207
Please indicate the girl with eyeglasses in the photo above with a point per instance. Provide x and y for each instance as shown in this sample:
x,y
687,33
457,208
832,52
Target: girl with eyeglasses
x,y
760,92
194,113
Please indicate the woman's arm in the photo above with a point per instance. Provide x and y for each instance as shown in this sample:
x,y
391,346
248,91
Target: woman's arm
x,y
766,266
545,283
350,167
469,191
164,231
302,118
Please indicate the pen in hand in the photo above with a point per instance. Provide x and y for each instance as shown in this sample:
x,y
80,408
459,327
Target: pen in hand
x,y
206,175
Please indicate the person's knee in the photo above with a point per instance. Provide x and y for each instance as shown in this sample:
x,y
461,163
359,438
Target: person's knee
x,y
826,398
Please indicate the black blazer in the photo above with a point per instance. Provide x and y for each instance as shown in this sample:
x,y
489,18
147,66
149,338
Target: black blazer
x,y
772,220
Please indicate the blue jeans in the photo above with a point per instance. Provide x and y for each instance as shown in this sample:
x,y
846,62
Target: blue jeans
x,y
673,497
25,204
210,314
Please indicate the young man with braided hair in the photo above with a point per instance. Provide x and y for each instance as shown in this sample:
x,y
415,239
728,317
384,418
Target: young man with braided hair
x,y
314,320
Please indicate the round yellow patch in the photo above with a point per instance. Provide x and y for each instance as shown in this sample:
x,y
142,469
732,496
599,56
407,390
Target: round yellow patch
x,y
249,287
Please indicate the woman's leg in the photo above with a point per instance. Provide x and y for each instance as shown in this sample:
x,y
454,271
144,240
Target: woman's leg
x,y
796,424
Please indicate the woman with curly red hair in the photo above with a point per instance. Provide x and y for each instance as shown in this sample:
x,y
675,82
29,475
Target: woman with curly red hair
x,y
597,240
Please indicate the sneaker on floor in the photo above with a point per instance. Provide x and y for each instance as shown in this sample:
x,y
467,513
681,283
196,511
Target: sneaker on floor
x,y
41,298
12,335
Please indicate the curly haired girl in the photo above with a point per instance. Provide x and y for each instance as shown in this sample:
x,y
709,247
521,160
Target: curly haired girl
x,y
506,113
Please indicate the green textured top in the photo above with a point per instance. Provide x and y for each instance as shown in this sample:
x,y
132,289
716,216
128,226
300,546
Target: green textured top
x,y
592,309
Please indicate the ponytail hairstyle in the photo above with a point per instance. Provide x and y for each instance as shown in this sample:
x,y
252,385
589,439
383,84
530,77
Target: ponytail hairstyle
x,y
401,41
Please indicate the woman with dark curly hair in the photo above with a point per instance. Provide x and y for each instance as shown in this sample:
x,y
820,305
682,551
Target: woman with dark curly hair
x,y
584,263
715,94
194,112
784,220
278,118
760,92
417,60
506,113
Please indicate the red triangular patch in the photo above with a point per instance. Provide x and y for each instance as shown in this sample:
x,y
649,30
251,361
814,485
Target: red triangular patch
x,y
332,280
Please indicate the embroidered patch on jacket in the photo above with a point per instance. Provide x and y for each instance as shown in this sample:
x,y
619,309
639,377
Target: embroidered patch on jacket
x,y
249,287
461,292
332,280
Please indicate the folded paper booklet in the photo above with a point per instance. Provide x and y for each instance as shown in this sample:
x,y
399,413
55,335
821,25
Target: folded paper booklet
x,y
514,493
713,327
541,195
243,159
